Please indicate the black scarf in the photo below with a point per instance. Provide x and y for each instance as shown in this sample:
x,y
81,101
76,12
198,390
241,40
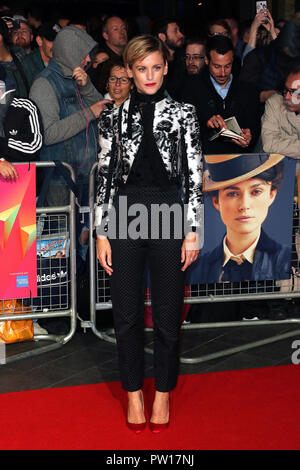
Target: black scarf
x,y
148,168
139,99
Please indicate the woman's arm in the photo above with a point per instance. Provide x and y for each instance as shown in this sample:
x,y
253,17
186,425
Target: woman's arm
x,y
193,148
195,211
105,154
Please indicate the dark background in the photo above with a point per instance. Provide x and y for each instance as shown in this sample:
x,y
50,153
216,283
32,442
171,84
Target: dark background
x,y
189,11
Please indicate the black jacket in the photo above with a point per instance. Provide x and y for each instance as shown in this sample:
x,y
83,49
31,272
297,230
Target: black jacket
x,y
242,101
23,132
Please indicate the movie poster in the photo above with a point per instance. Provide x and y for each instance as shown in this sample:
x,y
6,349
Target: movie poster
x,y
248,219
18,272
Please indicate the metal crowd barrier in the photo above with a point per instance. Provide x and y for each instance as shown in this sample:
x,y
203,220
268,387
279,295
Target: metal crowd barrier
x,y
209,293
57,297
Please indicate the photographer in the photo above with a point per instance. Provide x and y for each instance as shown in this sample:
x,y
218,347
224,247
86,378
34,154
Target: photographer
x,y
11,57
22,36
265,66
262,31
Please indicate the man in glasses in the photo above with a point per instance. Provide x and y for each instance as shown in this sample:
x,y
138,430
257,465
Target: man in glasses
x,y
281,119
194,56
217,95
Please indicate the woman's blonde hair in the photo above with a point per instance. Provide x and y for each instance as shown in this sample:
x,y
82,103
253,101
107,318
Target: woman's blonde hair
x,y
141,46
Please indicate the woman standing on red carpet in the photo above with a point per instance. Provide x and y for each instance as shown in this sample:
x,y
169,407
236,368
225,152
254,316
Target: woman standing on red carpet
x,y
150,155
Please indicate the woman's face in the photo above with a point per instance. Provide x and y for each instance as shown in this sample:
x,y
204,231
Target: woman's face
x,y
244,206
119,84
148,73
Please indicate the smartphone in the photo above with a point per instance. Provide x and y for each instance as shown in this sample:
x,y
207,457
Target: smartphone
x,y
11,23
261,6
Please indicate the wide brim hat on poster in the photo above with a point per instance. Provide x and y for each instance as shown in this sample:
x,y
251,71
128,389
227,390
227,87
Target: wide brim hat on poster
x,y
226,170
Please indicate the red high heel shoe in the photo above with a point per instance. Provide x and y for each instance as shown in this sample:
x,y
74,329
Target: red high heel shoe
x,y
158,427
137,428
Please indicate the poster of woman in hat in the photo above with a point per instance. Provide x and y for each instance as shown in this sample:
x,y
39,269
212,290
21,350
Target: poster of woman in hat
x,y
248,218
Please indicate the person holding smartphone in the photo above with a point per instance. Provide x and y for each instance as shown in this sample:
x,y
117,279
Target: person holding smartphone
x,y
262,30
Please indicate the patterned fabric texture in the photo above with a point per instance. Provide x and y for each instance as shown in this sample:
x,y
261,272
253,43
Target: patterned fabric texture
x,y
177,135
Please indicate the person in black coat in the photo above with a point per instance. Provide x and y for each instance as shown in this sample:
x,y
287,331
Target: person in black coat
x,y
21,130
242,188
217,93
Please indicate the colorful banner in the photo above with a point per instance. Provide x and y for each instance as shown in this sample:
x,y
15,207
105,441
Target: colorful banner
x,y
18,263
248,220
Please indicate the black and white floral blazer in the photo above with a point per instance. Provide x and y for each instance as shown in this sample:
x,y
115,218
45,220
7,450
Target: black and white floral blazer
x,y
177,134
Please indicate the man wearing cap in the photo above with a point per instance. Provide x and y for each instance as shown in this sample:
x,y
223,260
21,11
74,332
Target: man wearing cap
x,y
242,188
11,58
39,58
22,36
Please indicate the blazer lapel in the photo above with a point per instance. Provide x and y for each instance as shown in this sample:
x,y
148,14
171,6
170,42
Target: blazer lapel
x,y
131,145
165,129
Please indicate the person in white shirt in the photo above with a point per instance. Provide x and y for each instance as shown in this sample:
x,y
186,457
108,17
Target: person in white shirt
x,y
118,84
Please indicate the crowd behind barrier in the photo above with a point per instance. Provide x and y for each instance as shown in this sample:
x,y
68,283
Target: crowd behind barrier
x,y
55,303
226,69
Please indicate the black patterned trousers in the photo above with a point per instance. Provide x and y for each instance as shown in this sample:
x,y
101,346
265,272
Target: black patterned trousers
x,y
130,260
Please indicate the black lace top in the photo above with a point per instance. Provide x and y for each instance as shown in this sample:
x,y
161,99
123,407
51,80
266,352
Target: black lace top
x,y
148,168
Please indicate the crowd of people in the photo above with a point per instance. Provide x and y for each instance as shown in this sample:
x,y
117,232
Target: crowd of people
x,y
75,81
228,69
72,68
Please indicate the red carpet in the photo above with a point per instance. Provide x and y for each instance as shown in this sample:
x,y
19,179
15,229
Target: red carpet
x,y
246,409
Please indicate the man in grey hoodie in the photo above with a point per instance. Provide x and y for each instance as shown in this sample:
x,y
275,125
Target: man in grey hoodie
x,y
69,105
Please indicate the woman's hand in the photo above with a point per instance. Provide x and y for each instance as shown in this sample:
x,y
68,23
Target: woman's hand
x,y
190,249
269,25
8,171
104,254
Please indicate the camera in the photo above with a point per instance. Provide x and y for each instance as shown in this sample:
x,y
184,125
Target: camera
x,y
11,23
